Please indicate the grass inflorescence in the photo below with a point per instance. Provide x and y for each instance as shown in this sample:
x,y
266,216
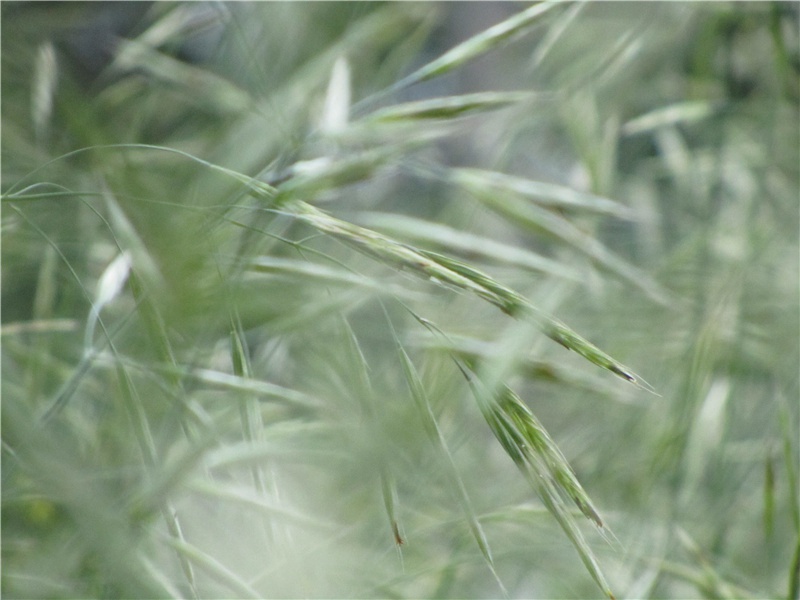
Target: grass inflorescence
x,y
278,308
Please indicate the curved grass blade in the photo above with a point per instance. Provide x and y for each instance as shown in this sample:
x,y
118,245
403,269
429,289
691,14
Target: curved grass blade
x,y
673,114
468,243
437,439
214,568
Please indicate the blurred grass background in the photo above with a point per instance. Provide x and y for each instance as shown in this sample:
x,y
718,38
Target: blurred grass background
x,y
248,404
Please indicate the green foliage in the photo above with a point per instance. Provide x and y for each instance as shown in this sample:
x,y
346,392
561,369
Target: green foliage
x,y
281,282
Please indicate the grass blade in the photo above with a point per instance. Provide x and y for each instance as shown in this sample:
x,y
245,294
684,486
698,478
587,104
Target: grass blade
x,y
448,107
437,439
476,45
537,219
214,568
541,462
463,242
548,195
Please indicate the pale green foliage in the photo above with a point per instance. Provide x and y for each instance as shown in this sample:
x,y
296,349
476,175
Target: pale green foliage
x,y
279,322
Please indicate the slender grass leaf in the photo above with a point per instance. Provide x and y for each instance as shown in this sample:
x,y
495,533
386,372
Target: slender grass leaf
x,y
214,568
528,215
548,195
682,112
477,45
455,274
466,243
446,108
254,386
289,439
420,397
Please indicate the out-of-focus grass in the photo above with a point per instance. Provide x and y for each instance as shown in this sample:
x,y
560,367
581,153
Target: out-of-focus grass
x,y
252,267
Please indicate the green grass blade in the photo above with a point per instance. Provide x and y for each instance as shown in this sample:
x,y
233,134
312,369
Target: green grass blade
x,y
548,195
461,242
214,568
309,272
539,220
451,273
538,458
673,114
436,437
477,45
448,107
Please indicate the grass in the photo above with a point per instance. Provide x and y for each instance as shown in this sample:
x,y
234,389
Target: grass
x,y
278,319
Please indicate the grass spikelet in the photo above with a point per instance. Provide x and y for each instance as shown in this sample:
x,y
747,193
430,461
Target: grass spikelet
x,y
45,82
452,273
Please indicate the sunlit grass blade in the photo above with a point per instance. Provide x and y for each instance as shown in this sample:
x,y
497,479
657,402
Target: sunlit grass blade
x,y
477,45
325,174
461,242
548,195
257,387
673,114
448,107
528,215
214,568
474,350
